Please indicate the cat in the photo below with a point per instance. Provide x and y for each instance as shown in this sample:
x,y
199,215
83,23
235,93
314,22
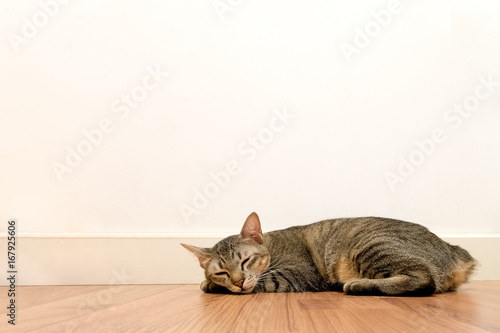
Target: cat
x,y
361,256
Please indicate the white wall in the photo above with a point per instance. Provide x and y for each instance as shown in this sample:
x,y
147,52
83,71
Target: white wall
x,y
353,116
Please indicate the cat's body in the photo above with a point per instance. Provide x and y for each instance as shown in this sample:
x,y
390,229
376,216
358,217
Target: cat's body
x,y
359,255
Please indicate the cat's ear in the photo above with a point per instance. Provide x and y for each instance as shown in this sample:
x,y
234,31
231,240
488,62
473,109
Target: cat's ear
x,y
251,228
202,254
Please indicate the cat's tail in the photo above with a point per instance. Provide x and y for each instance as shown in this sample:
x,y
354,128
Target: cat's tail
x,y
463,268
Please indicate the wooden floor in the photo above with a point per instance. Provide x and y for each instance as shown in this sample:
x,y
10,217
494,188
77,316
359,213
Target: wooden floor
x,y
184,308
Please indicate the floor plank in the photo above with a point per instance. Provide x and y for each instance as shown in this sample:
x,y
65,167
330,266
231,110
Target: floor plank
x,y
184,308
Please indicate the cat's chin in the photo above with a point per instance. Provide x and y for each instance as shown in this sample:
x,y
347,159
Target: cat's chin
x,y
246,291
242,291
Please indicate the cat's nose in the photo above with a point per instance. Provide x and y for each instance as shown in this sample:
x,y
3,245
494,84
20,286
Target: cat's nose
x,y
239,283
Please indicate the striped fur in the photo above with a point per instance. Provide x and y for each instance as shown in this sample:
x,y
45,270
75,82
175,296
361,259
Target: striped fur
x,y
370,255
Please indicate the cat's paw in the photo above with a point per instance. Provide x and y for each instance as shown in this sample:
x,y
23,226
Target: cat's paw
x,y
359,287
204,286
210,287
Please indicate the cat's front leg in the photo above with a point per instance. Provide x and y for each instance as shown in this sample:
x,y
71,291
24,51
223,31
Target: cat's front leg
x,y
210,287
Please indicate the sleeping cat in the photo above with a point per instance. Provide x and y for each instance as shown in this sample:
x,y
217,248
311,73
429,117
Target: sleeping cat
x,y
362,256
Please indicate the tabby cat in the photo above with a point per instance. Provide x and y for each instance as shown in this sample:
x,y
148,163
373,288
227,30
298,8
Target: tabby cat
x,y
361,256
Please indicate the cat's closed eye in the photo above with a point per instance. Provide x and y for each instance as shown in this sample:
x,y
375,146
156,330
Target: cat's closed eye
x,y
244,262
222,274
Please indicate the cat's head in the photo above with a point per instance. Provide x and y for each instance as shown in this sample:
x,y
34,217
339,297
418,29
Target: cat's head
x,y
236,262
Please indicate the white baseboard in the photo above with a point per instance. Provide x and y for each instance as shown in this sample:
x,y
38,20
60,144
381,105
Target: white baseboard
x,y
156,259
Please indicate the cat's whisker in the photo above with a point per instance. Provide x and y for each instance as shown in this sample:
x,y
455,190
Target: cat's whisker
x,y
274,264
270,272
